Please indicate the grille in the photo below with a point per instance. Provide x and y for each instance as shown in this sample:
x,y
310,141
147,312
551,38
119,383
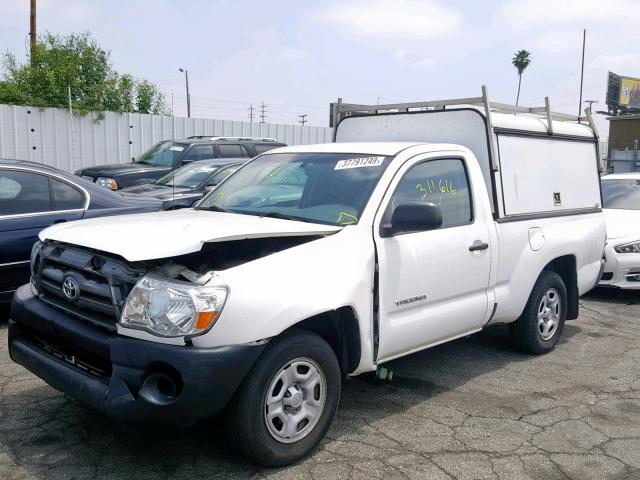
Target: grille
x,y
84,283
607,276
74,357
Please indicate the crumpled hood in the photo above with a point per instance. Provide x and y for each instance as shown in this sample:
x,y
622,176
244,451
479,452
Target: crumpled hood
x,y
156,235
622,223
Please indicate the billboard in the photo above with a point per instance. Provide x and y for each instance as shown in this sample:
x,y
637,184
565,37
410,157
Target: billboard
x,y
623,94
629,92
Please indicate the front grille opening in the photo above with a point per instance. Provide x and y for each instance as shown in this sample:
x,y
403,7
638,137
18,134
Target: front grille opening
x,y
74,357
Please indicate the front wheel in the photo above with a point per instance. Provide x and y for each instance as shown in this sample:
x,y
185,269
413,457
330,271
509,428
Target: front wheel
x,y
540,325
286,404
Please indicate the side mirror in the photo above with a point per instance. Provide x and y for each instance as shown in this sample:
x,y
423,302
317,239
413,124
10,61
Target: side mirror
x,y
412,217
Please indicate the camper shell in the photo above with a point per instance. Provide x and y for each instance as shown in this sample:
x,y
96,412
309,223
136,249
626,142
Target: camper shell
x,y
505,139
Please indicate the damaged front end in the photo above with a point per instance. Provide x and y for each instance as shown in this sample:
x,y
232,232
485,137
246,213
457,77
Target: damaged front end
x,y
65,329
94,286
198,267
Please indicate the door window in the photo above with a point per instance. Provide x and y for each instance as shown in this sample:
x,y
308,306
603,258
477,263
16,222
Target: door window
x,y
232,151
23,192
199,152
66,197
442,182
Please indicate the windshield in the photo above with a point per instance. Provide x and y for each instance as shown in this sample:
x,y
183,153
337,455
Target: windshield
x,y
162,154
622,194
329,188
190,175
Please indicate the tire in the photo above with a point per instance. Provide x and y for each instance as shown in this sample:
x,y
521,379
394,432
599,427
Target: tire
x,y
539,327
297,374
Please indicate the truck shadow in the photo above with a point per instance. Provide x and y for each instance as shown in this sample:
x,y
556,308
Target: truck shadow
x,y
43,431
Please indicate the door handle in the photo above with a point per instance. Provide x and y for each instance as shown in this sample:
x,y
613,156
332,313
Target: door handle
x,y
62,220
478,245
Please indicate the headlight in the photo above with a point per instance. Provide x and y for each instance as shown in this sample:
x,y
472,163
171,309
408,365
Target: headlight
x,y
107,183
172,309
632,247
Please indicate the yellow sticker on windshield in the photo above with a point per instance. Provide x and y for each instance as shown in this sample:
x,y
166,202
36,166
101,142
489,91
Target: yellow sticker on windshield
x,y
346,219
217,197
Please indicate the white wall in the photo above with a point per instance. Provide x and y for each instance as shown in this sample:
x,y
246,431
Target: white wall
x,y
52,136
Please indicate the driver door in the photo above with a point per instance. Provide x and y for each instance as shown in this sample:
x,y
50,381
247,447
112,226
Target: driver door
x,y
432,287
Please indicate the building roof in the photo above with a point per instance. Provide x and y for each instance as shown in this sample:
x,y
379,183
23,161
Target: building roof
x,y
625,117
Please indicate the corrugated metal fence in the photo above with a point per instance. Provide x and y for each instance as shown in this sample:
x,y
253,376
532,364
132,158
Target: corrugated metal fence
x,y
54,137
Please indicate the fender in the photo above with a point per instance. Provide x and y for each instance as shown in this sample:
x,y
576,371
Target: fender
x,y
313,278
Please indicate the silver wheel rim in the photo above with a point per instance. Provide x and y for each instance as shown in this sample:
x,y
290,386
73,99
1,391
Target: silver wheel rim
x,y
549,312
295,400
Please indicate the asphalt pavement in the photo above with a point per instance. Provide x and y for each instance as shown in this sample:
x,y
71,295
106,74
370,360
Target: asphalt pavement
x,y
471,409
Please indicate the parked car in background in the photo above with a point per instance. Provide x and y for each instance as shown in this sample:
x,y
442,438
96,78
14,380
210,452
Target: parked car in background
x,y
621,202
168,155
183,187
34,196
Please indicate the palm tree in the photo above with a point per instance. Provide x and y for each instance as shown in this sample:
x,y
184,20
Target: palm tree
x,y
521,60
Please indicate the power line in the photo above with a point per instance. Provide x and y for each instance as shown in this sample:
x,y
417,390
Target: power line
x,y
557,97
271,104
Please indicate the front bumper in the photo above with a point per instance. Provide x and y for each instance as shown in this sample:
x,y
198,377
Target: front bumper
x,y
622,270
127,379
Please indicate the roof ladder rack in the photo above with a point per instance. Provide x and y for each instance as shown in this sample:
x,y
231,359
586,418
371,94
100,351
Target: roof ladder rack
x,y
341,110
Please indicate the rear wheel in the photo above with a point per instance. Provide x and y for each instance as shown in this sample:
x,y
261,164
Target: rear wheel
x,y
287,402
541,323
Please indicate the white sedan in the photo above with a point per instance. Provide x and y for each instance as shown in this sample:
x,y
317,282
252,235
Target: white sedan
x,y
621,202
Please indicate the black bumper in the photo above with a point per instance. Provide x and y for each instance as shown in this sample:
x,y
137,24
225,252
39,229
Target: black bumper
x,y
129,380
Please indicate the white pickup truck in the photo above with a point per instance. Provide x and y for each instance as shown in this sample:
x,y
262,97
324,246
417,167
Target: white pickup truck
x,y
315,262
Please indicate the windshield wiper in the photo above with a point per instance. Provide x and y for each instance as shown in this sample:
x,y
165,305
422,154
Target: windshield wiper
x,y
283,216
213,208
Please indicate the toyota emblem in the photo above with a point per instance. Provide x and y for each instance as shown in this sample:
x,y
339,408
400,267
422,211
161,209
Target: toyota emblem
x,y
70,288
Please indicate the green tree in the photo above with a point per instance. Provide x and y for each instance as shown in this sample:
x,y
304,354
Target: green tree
x,y
75,61
521,61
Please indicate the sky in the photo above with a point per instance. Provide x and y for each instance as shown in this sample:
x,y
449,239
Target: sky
x,y
297,56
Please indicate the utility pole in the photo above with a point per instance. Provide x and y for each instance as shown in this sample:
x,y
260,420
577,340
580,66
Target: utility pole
x,y
584,40
251,109
590,102
32,32
263,112
303,119
186,80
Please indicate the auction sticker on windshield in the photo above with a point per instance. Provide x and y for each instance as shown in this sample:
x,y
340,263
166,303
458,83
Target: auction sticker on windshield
x,y
359,163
